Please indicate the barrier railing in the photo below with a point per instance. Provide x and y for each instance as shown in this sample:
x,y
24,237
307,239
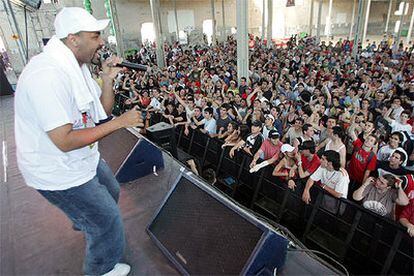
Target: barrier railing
x,y
364,241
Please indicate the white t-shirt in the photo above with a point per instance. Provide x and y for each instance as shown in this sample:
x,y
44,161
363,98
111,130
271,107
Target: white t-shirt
x,y
155,103
210,125
337,180
397,126
44,101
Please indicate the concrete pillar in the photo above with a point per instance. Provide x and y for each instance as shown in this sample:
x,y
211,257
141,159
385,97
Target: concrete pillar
x,y
269,22
242,39
401,25
156,18
364,35
358,28
177,30
224,31
213,18
410,28
311,17
318,29
388,17
352,19
328,26
118,34
263,19
15,29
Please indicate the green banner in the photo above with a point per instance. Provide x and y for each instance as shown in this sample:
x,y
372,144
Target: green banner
x,y
107,5
88,6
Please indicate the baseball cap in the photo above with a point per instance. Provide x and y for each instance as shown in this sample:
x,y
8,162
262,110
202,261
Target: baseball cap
x,y
287,148
273,134
270,116
73,20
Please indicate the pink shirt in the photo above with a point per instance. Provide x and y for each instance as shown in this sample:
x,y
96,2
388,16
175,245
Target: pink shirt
x,y
270,150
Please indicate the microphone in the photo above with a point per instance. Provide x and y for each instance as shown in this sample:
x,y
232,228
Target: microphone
x,y
127,64
131,65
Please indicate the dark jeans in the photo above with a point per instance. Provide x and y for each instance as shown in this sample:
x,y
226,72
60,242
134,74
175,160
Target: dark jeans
x,y
92,207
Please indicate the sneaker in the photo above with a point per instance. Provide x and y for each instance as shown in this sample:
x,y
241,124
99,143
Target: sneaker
x,y
119,270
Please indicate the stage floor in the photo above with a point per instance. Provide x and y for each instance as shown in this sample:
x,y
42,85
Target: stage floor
x,y
36,238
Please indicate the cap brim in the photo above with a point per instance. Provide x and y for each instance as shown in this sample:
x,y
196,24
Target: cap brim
x,y
100,26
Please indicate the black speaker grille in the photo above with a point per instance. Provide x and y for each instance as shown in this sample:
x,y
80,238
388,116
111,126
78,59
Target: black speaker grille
x,y
204,235
116,147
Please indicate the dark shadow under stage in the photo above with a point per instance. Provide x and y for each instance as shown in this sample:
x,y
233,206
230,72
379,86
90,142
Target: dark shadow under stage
x,y
37,239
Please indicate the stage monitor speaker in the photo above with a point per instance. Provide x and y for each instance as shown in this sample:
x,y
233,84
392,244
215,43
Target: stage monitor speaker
x,y
202,232
129,156
163,135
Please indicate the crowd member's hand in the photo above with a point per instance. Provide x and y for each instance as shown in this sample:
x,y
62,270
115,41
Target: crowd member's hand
x,y
108,67
291,184
231,153
252,164
370,180
410,230
292,172
306,196
131,118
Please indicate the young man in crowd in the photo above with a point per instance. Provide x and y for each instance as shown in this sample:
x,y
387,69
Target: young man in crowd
x,y
268,125
332,178
393,165
381,194
363,160
269,152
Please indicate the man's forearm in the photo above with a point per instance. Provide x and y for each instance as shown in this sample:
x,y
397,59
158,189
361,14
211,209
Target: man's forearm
x,y
74,139
108,96
358,194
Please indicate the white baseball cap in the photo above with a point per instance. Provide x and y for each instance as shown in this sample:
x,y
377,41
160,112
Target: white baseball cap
x,y
73,20
287,148
270,116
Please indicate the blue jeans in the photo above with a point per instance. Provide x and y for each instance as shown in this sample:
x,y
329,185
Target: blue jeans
x,y
92,207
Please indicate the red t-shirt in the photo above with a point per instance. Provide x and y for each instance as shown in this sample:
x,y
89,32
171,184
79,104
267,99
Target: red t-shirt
x,y
409,191
408,212
358,163
310,166
270,149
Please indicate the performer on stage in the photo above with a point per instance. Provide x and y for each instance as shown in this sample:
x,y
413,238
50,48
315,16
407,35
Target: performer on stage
x,y
57,108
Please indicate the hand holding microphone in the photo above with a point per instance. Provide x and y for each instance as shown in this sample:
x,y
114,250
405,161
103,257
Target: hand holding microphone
x,y
131,118
109,69
114,61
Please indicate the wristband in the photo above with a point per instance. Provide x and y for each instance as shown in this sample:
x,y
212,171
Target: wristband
x,y
323,187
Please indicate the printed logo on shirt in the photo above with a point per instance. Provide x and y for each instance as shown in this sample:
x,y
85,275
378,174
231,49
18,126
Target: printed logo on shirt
x,y
375,206
360,158
85,122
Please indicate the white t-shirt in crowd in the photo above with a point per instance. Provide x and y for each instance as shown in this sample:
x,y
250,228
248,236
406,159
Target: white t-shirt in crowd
x,y
397,126
44,101
337,180
210,125
155,103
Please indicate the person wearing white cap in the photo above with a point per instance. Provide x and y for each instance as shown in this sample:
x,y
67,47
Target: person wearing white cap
x,y
268,125
285,168
58,106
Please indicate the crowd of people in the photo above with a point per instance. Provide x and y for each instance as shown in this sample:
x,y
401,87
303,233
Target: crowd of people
x,y
311,110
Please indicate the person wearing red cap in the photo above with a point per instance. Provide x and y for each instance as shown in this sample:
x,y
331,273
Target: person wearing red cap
x,y
57,108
